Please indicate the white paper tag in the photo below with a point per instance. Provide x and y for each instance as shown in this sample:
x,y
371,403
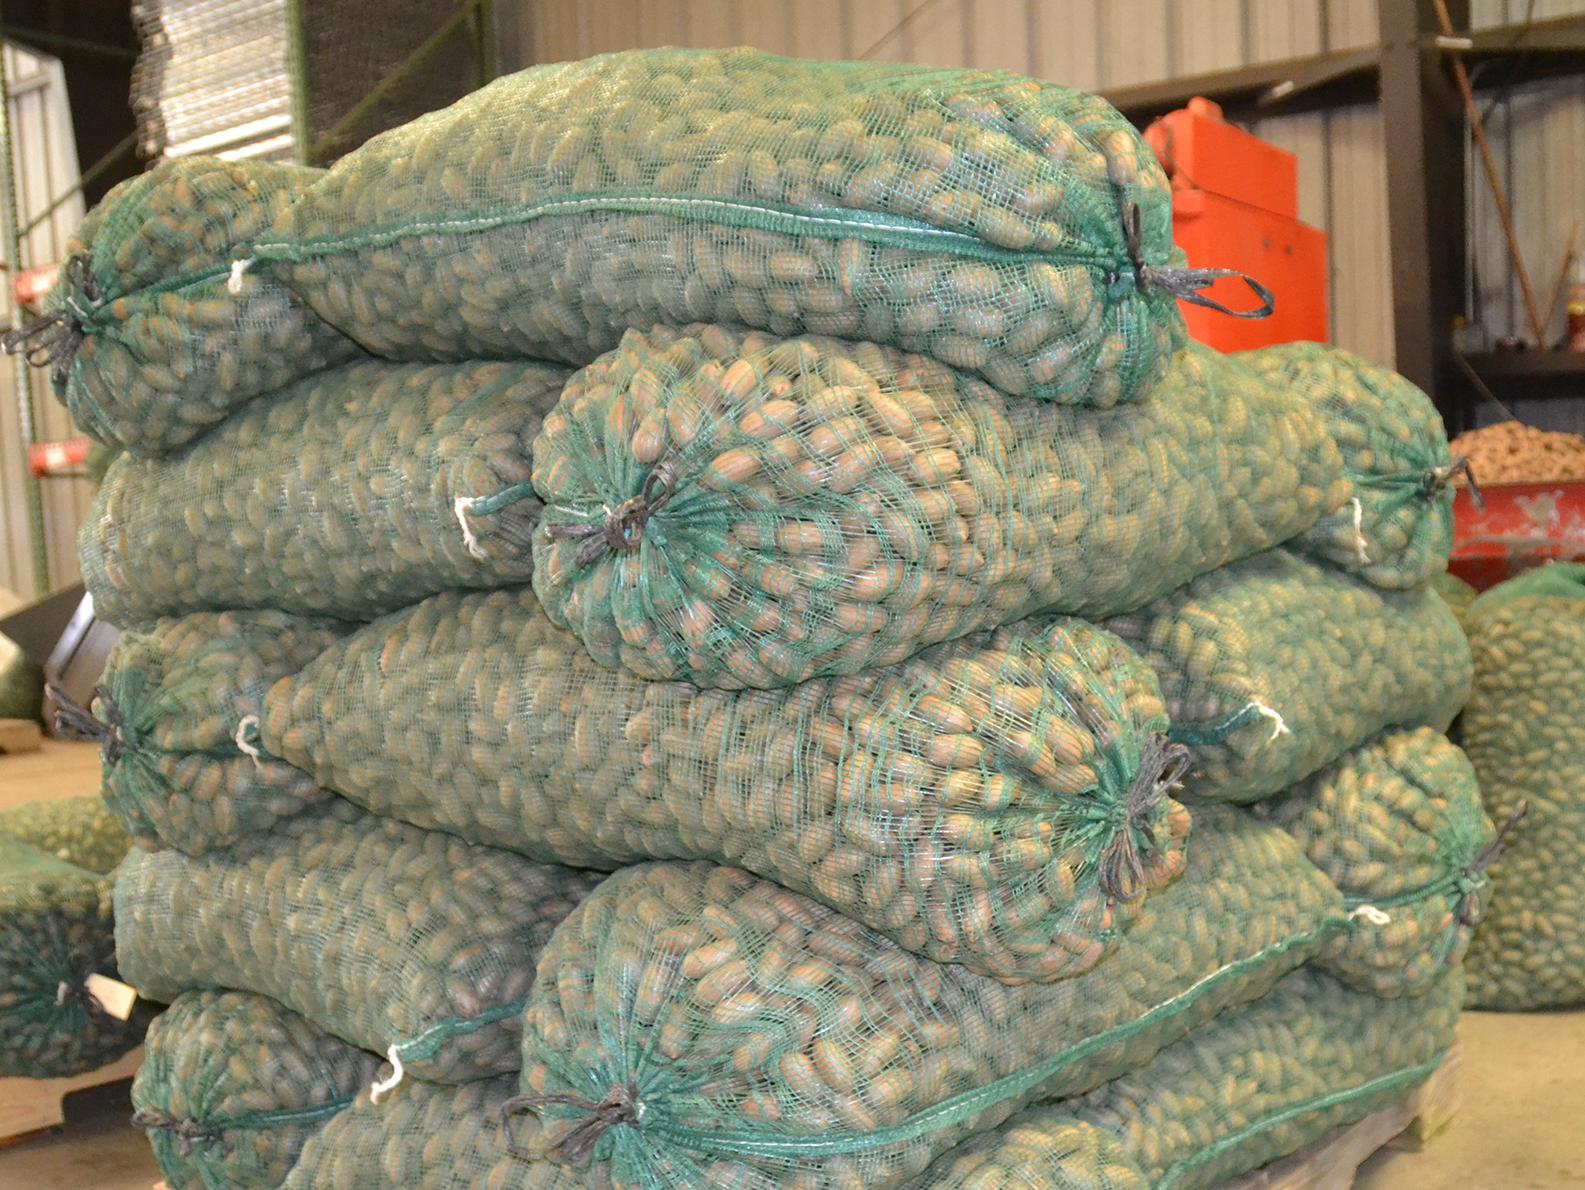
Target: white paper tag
x,y
114,997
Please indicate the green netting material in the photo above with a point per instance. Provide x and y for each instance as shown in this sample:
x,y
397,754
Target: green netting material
x,y
975,216
167,712
232,1086
1524,729
151,346
427,1137
737,510
1456,591
998,801
1258,1083
1274,666
21,683
80,831
1399,530
406,942
753,1038
354,492
1398,826
55,931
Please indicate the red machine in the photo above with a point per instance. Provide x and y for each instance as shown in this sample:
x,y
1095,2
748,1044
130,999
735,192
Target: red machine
x,y
1523,525
1235,205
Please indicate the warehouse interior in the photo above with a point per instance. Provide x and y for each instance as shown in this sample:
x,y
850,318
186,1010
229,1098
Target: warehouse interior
x,y
944,594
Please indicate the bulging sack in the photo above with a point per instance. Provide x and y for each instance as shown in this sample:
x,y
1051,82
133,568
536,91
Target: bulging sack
x,y
56,931
1398,826
734,509
999,801
233,1085
693,1025
1260,663
1258,1083
149,339
354,492
80,831
409,943
165,716
1524,729
1397,529
1012,228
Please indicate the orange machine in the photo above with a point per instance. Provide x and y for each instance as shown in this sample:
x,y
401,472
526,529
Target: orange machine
x,y
1235,205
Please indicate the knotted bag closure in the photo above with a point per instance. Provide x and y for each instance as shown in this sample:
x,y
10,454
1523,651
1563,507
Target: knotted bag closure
x,y
76,990
1162,767
620,1106
76,722
51,340
1439,479
1473,877
187,1132
622,530
1185,283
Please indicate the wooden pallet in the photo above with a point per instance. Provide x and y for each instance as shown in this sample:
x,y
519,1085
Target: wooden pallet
x,y
29,1104
1331,1164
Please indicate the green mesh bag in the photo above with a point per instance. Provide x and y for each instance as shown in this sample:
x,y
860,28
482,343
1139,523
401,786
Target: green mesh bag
x,y
165,716
80,831
1398,826
406,942
1015,229
430,1137
738,510
1458,594
354,492
21,683
55,931
693,1025
1258,1083
998,801
232,1086
1524,729
149,339
1397,530
1263,665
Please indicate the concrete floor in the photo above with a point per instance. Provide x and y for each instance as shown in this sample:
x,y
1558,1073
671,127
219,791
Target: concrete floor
x,y
1521,1125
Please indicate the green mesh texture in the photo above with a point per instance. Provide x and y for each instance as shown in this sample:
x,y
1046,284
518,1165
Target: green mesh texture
x,y
232,1086
1274,666
21,683
354,492
1397,825
167,350
428,1137
809,507
1039,1149
978,804
764,1040
1258,1083
170,701
55,931
974,216
406,942
80,831
1456,591
1524,729
1395,451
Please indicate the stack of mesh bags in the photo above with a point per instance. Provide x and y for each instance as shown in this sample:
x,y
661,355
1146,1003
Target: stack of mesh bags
x,y
876,583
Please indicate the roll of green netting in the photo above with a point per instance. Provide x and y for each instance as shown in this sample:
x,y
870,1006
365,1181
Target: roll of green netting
x,y
233,1085
1524,729
693,1025
1009,227
1398,826
1260,663
1258,1083
735,509
1458,594
149,337
430,1137
166,715
1398,528
410,943
998,801
354,492
56,930
77,830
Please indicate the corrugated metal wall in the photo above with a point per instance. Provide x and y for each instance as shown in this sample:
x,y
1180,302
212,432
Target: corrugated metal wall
x,y
45,156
